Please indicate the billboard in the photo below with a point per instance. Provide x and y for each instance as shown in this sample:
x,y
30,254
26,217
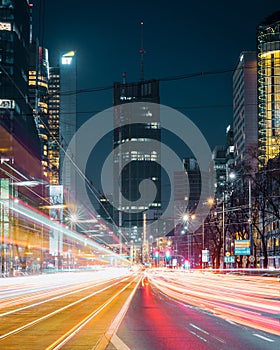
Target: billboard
x,y
56,213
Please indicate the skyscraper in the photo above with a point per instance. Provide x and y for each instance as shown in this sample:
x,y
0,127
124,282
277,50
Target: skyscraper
x,y
38,80
53,125
68,124
245,125
268,40
131,161
15,112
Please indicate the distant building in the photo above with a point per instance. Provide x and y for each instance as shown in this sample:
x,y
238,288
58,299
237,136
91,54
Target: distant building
x,y
194,177
245,125
136,164
268,44
223,158
219,155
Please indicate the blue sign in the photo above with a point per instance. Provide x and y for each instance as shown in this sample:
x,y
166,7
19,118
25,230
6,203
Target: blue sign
x,y
242,251
229,259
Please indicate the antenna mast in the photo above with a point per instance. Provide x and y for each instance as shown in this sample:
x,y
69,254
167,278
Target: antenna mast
x,y
142,52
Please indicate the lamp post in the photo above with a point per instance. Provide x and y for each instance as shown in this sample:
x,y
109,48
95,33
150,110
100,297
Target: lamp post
x,y
223,229
250,219
187,219
232,175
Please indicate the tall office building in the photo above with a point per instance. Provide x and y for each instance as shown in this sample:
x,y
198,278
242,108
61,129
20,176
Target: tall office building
x,y
20,159
53,125
136,163
245,125
38,80
15,112
67,123
268,42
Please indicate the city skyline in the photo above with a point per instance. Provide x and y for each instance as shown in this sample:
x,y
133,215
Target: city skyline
x,y
192,49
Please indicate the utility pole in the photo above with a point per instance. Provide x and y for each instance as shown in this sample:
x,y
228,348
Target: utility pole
x,y
250,218
223,229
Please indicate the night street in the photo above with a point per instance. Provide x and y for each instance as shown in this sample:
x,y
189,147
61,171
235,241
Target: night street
x,y
139,175
160,309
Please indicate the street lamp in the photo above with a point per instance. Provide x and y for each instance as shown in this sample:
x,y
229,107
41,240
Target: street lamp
x,y
233,176
187,219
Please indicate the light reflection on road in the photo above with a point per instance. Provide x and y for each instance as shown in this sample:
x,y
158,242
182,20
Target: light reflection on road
x,y
248,300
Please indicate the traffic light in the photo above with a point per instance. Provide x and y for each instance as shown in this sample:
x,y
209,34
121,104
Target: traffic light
x,y
186,264
167,254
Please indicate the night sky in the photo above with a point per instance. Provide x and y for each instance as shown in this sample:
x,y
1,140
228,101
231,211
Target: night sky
x,y
180,38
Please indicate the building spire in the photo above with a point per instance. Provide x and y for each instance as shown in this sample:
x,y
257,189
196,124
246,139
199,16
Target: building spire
x,y
142,52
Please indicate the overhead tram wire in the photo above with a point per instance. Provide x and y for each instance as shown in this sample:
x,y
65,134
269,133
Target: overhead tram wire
x,y
104,88
90,186
164,79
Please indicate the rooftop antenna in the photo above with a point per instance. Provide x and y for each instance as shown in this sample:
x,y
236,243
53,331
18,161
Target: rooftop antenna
x,y
142,52
124,77
123,85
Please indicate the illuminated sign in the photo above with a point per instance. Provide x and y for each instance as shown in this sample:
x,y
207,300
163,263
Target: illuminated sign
x,y
66,60
67,57
4,188
7,104
5,26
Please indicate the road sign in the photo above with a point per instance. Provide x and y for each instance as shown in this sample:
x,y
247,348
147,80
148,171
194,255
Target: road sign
x,y
205,255
242,251
242,247
251,258
229,259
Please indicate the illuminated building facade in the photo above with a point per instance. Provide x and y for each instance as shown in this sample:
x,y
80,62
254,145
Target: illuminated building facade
x,y
15,111
68,123
134,164
20,155
268,39
38,79
53,125
245,124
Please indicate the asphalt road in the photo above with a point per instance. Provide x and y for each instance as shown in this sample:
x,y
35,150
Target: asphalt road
x,y
152,310
157,321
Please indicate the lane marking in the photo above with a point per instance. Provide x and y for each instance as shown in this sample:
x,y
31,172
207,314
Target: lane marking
x,y
118,343
205,332
198,336
198,328
264,338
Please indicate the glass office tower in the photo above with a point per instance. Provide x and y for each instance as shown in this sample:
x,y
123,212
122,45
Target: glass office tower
x,y
268,39
15,111
133,162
